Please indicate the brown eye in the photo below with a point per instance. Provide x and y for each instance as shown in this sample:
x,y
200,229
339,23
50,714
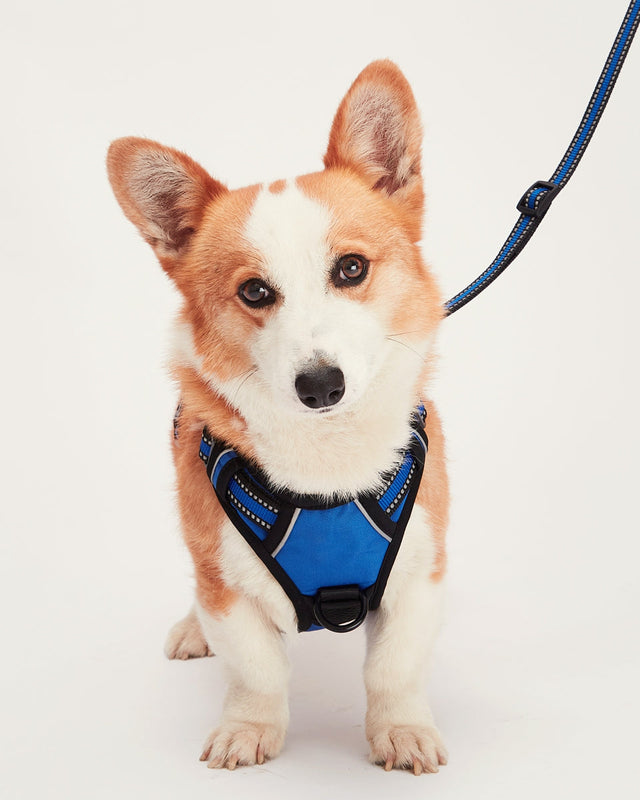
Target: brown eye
x,y
350,270
256,294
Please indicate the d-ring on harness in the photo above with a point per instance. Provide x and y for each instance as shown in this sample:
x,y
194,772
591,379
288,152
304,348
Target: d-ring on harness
x,y
535,202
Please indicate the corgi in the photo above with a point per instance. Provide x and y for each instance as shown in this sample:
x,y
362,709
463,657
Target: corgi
x,y
303,347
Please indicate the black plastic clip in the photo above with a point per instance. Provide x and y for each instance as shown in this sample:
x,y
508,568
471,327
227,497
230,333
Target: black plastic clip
x,y
543,199
340,608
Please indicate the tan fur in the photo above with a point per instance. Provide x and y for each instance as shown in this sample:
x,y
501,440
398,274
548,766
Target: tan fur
x,y
201,514
433,494
400,286
381,100
162,191
277,186
372,190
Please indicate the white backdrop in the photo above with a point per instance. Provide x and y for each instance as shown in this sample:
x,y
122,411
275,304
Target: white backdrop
x,y
535,679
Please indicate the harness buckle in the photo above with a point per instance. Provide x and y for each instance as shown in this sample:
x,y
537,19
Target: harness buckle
x,y
340,608
543,199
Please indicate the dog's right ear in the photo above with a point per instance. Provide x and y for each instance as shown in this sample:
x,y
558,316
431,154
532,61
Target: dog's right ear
x,y
377,134
162,191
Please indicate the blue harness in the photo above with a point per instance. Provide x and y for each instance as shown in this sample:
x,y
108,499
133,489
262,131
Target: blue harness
x,y
332,559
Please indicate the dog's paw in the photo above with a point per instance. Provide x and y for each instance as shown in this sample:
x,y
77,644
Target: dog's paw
x,y
242,744
185,639
417,748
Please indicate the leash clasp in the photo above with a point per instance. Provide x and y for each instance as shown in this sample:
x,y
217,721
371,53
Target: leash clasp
x,y
536,200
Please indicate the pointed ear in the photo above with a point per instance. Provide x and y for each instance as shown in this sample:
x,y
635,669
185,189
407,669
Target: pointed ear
x,y
162,191
377,133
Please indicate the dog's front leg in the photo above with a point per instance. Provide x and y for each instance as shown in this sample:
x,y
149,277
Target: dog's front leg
x,y
256,711
399,723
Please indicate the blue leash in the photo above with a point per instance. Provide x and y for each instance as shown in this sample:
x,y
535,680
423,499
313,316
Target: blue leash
x,y
535,202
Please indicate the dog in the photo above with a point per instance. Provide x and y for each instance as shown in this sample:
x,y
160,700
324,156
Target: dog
x,y
302,349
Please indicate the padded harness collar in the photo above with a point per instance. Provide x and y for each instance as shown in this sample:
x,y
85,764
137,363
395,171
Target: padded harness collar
x,y
332,559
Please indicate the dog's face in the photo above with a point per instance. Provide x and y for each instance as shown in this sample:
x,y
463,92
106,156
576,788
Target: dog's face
x,y
308,293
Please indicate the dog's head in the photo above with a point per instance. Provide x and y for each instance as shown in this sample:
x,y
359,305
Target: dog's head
x,y
307,294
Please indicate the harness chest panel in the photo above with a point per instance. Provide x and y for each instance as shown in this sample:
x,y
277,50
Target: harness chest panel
x,y
332,559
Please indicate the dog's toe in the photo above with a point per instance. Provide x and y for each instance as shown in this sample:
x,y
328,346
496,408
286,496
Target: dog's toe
x,y
415,748
242,744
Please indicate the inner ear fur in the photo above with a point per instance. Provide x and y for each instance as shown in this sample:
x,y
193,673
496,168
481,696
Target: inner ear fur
x,y
162,191
377,133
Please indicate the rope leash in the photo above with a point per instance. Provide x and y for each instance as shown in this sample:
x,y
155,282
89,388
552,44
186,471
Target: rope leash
x,y
536,201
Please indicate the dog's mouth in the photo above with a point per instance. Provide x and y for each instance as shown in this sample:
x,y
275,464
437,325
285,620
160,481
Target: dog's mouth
x,y
325,411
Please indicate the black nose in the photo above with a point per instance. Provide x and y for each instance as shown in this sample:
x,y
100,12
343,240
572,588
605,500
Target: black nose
x,y
320,387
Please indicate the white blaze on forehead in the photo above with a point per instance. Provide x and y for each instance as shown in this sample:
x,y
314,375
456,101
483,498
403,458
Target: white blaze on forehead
x,y
312,319
290,230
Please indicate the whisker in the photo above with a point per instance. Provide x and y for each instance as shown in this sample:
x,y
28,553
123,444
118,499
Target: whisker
x,y
406,333
404,344
245,377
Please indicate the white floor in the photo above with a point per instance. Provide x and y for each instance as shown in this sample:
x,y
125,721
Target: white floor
x,y
536,673
534,700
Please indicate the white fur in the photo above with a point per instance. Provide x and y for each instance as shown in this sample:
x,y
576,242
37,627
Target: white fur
x,y
256,711
400,634
244,572
342,451
291,233
185,639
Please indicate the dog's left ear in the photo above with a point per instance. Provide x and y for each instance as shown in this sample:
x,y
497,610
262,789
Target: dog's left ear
x,y
377,133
